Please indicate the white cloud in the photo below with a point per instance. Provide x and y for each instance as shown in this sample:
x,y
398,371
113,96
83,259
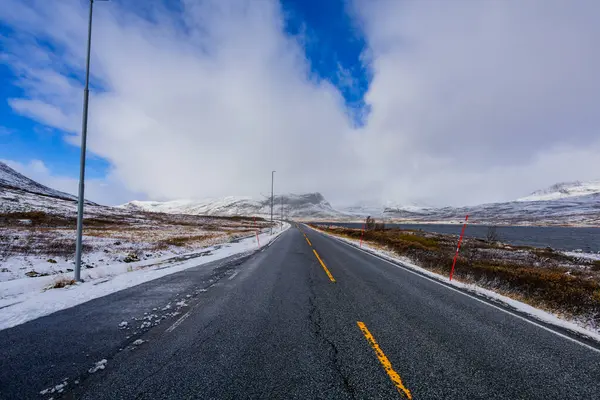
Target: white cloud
x,y
471,101
205,109
477,101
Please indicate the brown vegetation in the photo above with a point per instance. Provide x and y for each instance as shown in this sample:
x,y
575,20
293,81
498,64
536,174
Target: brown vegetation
x,y
62,282
184,240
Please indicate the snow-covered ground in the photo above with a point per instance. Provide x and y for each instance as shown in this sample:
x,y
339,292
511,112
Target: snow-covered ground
x,y
24,299
581,327
31,252
581,255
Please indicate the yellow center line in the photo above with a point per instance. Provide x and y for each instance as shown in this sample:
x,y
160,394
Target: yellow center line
x,y
387,365
324,267
309,243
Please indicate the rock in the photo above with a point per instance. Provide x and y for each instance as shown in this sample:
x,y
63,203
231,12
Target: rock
x,y
51,261
32,274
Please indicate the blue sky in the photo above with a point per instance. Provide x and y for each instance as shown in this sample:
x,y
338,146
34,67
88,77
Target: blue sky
x,y
413,102
333,43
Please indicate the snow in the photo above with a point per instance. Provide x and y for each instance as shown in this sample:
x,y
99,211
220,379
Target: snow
x,y
22,300
57,388
576,326
295,205
11,178
564,190
138,342
580,255
98,366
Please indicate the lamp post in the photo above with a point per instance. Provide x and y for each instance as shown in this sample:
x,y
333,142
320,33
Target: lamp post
x,y
81,198
272,182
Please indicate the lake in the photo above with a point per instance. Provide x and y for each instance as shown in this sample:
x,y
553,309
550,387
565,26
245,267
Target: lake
x,y
560,238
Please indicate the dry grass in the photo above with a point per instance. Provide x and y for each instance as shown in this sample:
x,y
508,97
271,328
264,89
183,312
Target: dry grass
x,y
35,218
62,282
38,242
540,277
185,240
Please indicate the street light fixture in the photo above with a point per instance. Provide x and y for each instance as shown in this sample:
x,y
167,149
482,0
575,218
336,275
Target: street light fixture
x,y
81,198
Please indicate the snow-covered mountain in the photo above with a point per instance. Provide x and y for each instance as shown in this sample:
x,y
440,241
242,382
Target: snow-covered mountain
x,y
364,209
11,179
19,193
579,210
574,210
561,204
574,203
310,205
563,190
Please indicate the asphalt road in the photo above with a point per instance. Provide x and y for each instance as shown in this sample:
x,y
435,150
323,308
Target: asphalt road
x,y
279,324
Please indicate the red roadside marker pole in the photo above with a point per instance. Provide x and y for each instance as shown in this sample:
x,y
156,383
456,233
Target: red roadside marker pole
x,y
256,227
362,233
458,247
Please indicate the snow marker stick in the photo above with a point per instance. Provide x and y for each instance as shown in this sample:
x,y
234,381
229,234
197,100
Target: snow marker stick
x,y
458,248
257,241
362,234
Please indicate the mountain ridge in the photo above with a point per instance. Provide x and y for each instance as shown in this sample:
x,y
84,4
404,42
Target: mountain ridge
x,y
294,205
10,178
563,190
577,206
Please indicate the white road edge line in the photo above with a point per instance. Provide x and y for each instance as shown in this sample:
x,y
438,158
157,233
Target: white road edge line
x,y
468,295
233,275
179,321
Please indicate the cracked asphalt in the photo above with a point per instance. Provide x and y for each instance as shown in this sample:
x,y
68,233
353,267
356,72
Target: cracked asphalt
x,y
272,325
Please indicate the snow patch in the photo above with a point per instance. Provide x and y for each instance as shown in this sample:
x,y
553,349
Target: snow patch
x,y
98,366
580,255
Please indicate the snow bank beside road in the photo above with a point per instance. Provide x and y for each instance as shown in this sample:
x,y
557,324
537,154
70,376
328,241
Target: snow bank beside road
x,y
22,300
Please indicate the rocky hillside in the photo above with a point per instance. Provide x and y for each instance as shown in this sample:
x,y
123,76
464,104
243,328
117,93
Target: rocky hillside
x,y
309,205
19,193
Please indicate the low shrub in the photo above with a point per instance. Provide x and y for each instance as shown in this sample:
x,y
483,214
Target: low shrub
x,y
62,282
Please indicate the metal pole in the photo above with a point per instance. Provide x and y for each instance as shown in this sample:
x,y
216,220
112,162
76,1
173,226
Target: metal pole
x,y
86,93
272,180
282,212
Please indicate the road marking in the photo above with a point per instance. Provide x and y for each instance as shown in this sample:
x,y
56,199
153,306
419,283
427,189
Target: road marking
x,y
179,321
387,365
233,275
324,267
407,269
309,243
